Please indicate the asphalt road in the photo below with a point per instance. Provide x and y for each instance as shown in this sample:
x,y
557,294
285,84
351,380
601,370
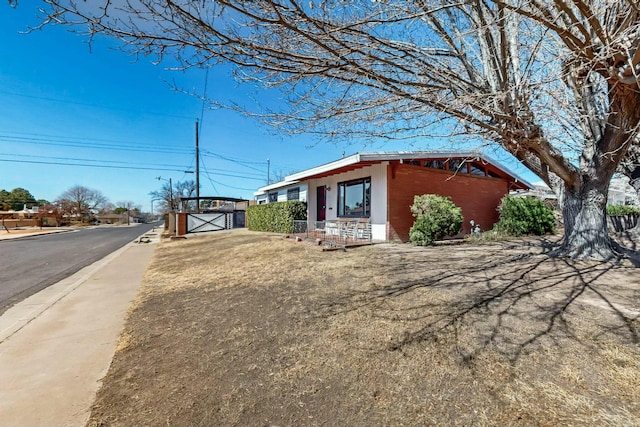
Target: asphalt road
x,y
30,264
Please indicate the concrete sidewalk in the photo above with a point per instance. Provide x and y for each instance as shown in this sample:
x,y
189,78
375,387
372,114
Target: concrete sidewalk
x,y
57,345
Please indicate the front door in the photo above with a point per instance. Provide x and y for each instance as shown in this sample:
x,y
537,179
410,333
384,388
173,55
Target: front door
x,y
321,203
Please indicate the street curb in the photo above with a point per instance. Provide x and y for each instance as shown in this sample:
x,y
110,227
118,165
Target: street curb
x,y
29,309
9,237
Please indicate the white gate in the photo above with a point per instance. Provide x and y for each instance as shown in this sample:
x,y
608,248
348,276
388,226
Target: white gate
x,y
198,223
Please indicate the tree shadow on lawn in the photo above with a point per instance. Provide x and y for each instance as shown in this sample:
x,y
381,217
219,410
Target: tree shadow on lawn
x,y
509,297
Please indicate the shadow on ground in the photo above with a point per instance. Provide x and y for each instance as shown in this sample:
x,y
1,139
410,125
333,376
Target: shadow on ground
x,y
507,297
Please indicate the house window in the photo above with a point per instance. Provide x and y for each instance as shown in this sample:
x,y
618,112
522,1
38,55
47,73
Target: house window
x,y
354,198
293,193
273,197
476,170
435,164
457,166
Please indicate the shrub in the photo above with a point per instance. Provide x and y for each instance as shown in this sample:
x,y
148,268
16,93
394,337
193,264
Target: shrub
x,y
276,217
520,216
436,217
618,210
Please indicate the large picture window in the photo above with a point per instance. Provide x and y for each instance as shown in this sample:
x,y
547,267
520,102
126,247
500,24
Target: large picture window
x,y
354,198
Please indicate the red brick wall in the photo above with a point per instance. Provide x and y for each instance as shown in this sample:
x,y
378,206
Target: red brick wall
x,y
477,196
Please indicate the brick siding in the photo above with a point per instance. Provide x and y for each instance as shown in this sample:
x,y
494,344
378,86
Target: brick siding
x,y
477,196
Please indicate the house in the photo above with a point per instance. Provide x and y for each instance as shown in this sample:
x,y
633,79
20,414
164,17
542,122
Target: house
x,y
620,192
380,186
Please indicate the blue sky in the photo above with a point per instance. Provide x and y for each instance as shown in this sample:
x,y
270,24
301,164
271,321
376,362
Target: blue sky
x,y
96,117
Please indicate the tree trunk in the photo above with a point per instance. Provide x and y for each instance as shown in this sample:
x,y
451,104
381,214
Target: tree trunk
x,y
586,235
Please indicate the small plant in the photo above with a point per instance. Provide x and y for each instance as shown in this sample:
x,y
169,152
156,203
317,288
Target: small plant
x,y
619,210
436,217
520,216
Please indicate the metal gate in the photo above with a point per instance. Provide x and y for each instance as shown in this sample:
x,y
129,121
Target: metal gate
x,y
198,223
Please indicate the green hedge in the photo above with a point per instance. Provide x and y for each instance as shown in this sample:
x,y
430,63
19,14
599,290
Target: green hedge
x,y
617,210
276,217
521,216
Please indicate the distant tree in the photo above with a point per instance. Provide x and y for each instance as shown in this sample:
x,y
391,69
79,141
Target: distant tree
x,y
55,211
163,197
185,189
169,198
107,208
5,205
278,176
128,205
16,199
80,202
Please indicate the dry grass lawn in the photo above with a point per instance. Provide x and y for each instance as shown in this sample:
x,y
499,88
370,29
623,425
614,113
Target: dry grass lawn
x,y
245,328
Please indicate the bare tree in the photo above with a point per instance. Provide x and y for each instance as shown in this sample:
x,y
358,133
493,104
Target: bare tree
x,y
80,201
164,196
183,190
171,193
555,83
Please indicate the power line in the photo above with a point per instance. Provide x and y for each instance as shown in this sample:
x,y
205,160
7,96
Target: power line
x,y
231,186
91,166
64,138
87,104
209,176
245,164
89,160
95,146
239,176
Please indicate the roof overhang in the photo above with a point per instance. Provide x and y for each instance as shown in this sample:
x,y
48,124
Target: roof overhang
x,y
360,160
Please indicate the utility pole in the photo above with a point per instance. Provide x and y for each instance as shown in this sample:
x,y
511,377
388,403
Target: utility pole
x,y
268,172
197,170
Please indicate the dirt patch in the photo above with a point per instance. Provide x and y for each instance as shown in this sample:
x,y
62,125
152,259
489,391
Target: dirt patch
x,y
249,329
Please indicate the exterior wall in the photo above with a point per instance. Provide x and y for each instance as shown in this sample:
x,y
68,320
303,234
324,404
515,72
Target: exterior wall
x,y
478,197
22,222
378,216
181,228
282,194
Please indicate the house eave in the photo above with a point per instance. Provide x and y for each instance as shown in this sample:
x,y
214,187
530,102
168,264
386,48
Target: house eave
x,y
368,158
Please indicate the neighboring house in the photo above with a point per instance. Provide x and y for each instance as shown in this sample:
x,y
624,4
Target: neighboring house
x,y
381,186
620,192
